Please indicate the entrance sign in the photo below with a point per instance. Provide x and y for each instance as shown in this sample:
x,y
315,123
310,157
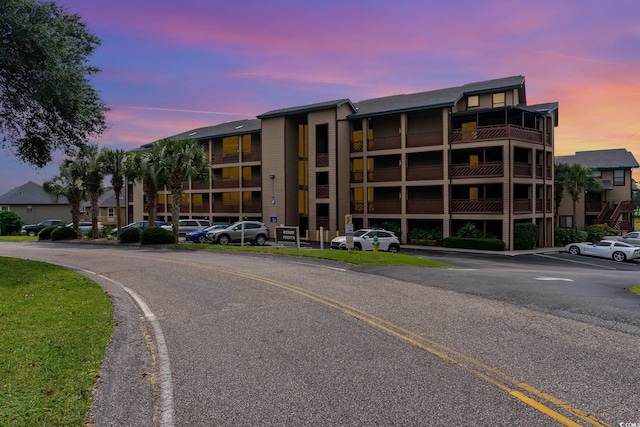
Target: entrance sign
x,y
348,234
288,236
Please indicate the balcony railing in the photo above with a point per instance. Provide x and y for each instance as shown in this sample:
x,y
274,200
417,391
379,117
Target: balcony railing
x,y
200,208
252,207
425,206
484,206
226,183
486,169
253,181
225,158
322,160
197,185
424,139
322,191
497,132
522,169
357,207
384,143
522,205
322,221
219,207
418,173
356,175
252,156
386,207
596,206
384,174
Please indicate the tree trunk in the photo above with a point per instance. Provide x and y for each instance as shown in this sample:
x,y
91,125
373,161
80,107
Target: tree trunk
x,y
176,202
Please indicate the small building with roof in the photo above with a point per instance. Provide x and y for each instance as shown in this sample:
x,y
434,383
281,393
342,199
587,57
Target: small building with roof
x,y
33,205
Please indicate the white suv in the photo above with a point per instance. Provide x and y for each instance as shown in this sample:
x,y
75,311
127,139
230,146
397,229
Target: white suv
x,y
363,240
187,225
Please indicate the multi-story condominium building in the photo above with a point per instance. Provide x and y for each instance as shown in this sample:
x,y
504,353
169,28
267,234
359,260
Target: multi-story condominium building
x,y
613,205
431,160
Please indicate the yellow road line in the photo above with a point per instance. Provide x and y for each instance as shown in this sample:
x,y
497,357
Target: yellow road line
x,y
479,369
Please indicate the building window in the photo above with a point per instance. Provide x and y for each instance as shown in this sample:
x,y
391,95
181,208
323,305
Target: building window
x,y
566,221
29,208
597,173
111,212
499,100
618,177
473,101
4,208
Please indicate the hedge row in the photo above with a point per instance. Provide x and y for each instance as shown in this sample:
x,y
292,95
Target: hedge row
x,y
487,244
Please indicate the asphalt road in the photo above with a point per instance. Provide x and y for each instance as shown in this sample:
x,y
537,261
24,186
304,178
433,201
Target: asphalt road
x,y
214,339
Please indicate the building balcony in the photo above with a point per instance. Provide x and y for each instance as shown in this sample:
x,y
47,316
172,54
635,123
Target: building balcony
x,y
322,221
356,175
486,133
197,185
484,206
424,139
252,181
384,143
219,159
383,207
485,169
384,174
322,160
425,206
252,207
200,208
252,156
522,206
226,183
424,173
322,191
523,170
220,207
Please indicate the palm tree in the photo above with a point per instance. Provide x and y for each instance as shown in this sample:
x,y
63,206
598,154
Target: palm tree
x,y
68,183
90,168
114,163
181,161
561,173
577,179
142,166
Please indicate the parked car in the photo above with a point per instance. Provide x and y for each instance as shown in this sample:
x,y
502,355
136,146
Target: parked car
x,y
632,238
34,229
363,240
200,236
254,231
187,225
84,227
138,224
611,249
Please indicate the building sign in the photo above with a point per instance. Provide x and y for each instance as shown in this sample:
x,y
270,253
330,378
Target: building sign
x,y
288,236
348,234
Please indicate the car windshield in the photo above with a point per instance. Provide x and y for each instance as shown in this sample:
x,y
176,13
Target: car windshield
x,y
359,233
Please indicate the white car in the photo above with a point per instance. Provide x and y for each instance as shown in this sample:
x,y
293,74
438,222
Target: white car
x,y
632,238
363,240
611,249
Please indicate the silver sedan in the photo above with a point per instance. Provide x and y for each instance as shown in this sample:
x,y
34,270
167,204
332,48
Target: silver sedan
x,y
611,249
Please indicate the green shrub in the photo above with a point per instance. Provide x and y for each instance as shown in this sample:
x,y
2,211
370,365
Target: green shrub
x,y
10,223
525,235
420,236
564,236
130,235
64,233
469,231
45,233
389,225
487,244
105,232
595,233
156,236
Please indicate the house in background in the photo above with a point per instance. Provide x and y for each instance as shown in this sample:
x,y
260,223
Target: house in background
x,y
33,205
107,209
614,205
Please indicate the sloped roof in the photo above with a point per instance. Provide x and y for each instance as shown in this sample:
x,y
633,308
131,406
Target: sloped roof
x,y
30,194
433,99
306,108
106,199
617,158
238,127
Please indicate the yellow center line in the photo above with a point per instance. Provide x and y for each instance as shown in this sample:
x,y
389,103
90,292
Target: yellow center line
x,y
477,368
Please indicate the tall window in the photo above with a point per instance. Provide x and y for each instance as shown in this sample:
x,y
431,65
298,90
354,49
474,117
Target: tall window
x,y
618,177
111,212
499,100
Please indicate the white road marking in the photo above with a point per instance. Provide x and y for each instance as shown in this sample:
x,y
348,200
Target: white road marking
x,y
553,278
462,269
318,265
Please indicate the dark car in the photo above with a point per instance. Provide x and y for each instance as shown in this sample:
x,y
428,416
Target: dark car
x,y
138,224
200,236
34,229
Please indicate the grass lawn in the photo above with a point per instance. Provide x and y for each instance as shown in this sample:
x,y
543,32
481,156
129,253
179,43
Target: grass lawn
x,y
54,329
18,238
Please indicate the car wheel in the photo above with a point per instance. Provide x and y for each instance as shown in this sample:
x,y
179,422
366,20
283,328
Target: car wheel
x,y
202,239
31,233
260,240
223,239
574,250
394,249
619,256
357,247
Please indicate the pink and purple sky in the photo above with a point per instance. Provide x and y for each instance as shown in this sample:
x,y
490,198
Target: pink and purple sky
x,y
169,66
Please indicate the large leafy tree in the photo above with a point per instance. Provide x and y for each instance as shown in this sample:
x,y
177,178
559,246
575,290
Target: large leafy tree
x,y
47,101
114,163
575,180
181,160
